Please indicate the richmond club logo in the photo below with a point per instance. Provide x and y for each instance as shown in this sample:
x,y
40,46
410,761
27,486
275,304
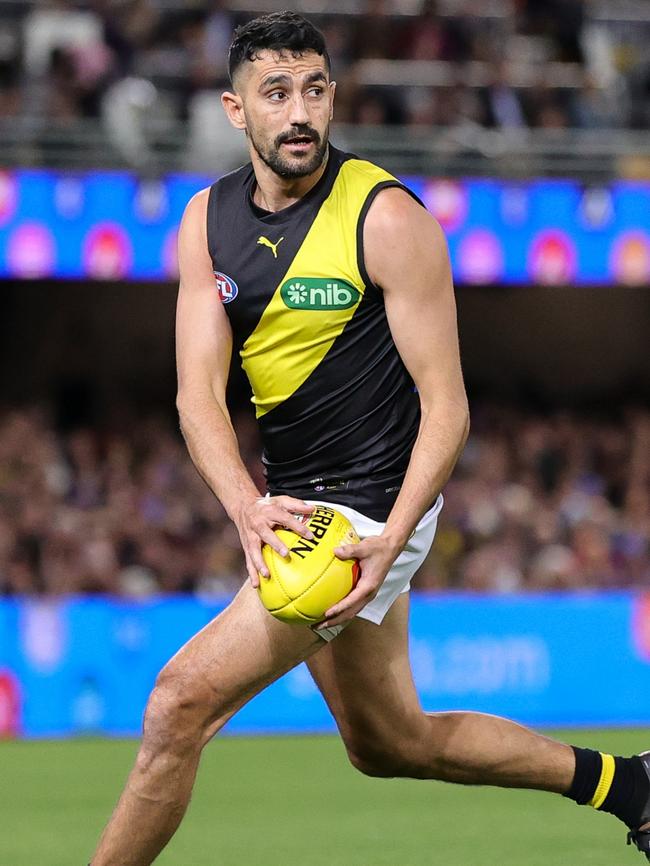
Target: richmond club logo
x,y
309,293
226,287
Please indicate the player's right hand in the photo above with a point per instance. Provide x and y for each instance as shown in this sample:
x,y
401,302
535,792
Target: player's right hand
x,y
255,523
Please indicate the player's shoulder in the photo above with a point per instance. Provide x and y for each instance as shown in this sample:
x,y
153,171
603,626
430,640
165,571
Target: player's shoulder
x,y
399,233
395,211
198,202
230,187
363,169
390,198
194,216
232,181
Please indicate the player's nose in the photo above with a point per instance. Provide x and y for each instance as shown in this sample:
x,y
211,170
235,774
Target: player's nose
x,y
298,113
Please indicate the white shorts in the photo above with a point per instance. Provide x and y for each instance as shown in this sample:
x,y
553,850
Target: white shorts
x,y
398,579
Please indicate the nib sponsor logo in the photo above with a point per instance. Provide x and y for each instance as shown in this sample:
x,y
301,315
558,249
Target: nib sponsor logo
x,y
309,293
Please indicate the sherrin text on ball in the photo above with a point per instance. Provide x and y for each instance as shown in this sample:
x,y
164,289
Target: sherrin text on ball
x,y
303,585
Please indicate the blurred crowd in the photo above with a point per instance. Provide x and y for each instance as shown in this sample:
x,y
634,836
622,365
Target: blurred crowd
x,y
560,501
531,63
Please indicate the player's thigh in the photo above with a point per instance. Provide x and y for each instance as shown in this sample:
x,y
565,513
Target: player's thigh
x,y
365,676
235,656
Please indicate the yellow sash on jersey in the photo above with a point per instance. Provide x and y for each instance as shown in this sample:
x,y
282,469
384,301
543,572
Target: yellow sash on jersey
x,y
288,344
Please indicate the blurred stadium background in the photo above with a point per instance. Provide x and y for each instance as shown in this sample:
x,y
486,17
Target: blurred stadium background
x,y
523,125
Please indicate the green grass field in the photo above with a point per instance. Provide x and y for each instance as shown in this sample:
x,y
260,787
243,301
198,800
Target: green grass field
x,y
295,801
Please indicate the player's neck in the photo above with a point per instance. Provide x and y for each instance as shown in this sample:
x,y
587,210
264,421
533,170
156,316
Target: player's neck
x,y
274,193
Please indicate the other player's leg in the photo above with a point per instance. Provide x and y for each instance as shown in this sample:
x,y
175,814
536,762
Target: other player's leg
x,y
366,678
208,680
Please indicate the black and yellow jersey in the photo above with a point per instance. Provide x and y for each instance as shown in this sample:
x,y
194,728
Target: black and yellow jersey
x,y
337,409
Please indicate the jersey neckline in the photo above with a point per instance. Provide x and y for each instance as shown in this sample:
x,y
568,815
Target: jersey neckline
x,y
320,188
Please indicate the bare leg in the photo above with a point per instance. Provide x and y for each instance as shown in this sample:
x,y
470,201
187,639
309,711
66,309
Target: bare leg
x,y
207,681
366,678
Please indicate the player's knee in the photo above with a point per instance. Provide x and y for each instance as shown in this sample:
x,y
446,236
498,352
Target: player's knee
x,y
397,759
178,711
371,764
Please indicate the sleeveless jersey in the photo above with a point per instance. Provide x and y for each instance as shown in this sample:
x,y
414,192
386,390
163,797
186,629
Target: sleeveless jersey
x,y
337,410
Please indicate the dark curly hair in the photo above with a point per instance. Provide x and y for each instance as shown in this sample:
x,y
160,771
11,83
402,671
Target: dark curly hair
x,y
279,31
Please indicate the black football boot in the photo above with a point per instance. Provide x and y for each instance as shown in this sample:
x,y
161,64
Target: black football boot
x,y
641,838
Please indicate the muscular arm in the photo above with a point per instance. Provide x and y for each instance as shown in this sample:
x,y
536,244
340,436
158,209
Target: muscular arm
x,y
203,353
406,256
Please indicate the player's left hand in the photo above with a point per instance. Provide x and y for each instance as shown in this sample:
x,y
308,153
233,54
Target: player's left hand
x,y
376,555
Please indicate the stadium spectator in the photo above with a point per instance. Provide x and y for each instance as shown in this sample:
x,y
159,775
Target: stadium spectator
x,y
561,22
550,65
501,104
374,32
536,503
427,37
10,92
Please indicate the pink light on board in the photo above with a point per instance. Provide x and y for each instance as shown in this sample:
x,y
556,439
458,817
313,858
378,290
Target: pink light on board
x,y
552,258
641,626
480,258
170,255
31,251
447,201
107,252
10,704
8,196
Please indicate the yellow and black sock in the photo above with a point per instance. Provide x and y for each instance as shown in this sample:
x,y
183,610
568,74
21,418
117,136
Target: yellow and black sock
x,y
611,784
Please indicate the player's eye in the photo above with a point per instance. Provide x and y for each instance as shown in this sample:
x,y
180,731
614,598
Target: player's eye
x,y
316,91
276,96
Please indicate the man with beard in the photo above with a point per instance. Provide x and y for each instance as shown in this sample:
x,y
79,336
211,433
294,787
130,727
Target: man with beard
x,y
333,282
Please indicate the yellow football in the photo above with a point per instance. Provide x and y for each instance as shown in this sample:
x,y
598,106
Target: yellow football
x,y
307,582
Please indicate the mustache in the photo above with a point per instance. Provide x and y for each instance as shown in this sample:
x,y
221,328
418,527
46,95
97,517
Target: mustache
x,y
302,131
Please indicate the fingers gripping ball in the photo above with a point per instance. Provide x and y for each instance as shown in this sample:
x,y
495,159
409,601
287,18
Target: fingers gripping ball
x,y
307,582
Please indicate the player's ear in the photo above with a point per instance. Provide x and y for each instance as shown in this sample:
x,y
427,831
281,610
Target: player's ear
x,y
234,108
332,87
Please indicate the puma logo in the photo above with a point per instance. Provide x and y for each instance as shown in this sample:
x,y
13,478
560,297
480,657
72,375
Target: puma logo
x,y
265,242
